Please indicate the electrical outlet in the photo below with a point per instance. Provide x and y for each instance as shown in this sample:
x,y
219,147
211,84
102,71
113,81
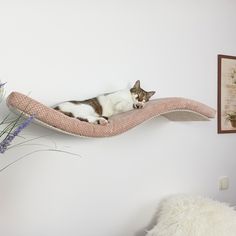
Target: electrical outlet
x,y
223,183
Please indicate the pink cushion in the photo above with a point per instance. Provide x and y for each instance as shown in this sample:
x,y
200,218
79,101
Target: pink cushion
x,y
174,108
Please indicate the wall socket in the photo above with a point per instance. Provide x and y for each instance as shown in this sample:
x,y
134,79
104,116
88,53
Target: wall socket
x,y
223,183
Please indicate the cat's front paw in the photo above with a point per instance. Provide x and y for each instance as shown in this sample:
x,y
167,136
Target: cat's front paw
x,y
102,121
138,106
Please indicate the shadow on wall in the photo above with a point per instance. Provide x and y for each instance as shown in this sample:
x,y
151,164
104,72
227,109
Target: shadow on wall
x,y
143,231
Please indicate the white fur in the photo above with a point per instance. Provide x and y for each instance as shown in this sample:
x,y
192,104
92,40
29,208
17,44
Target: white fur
x,y
112,104
183,215
116,102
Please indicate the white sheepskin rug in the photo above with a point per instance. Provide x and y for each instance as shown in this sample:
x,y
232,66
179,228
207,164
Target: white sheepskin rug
x,y
183,215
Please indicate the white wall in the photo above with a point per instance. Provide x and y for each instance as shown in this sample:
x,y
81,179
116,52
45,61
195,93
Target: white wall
x,y
60,50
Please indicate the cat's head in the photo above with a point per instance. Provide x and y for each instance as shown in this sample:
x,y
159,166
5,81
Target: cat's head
x,y
139,95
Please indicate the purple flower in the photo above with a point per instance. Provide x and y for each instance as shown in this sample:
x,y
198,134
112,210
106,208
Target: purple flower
x,y
7,141
2,84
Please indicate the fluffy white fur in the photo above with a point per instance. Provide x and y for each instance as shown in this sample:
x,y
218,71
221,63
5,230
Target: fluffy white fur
x,y
183,215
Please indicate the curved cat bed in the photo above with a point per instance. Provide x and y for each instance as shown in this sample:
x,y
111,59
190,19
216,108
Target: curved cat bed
x,y
173,108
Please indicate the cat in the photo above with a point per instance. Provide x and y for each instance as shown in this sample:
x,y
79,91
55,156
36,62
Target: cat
x,y
97,110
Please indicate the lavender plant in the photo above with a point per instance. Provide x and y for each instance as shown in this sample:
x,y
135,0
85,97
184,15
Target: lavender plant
x,y
11,128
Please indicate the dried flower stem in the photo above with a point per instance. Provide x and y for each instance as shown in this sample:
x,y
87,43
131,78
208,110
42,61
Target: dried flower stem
x,y
36,151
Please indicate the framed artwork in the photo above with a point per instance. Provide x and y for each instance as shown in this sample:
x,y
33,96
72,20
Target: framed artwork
x,y
226,94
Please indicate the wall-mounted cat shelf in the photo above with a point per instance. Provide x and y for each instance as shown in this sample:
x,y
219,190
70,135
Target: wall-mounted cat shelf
x,y
173,108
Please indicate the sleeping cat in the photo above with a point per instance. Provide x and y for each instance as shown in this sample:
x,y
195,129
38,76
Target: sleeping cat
x,y
97,110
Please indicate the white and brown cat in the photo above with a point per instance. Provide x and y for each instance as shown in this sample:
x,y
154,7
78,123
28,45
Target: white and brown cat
x,y
97,110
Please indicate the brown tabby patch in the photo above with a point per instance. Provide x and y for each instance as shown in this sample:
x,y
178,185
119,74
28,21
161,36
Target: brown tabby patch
x,y
57,108
93,102
67,113
82,119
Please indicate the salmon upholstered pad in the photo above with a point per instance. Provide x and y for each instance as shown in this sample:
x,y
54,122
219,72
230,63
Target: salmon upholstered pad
x,y
173,108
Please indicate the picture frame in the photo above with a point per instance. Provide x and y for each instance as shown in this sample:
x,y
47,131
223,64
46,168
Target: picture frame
x,y
226,112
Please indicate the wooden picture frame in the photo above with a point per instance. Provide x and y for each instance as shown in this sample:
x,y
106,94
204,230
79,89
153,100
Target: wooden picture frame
x,y
226,94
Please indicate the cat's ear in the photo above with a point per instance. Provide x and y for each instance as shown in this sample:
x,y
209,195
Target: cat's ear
x,y
137,84
150,94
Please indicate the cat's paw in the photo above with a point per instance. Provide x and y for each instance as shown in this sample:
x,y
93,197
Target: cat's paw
x,y
138,106
102,121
